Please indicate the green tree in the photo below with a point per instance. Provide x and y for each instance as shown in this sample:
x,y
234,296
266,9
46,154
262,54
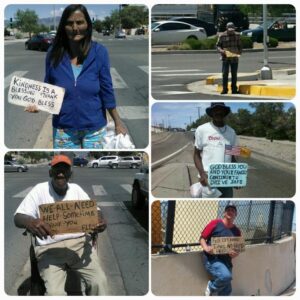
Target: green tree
x,y
26,20
138,16
98,26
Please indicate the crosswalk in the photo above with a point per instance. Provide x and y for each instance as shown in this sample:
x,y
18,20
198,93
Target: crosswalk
x,y
168,81
97,191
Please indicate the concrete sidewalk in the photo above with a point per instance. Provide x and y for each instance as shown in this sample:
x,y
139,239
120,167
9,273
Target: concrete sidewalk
x,y
282,86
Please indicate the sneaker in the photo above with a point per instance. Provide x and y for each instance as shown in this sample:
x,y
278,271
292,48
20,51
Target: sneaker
x,y
224,92
208,292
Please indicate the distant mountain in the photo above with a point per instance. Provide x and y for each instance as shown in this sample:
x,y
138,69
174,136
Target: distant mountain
x,y
46,21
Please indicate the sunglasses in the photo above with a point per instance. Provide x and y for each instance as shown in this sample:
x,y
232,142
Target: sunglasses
x,y
66,171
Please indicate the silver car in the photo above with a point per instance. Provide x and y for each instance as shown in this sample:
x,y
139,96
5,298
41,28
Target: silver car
x,y
172,32
126,162
11,166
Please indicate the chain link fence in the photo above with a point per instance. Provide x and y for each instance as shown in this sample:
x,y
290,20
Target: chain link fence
x,y
177,225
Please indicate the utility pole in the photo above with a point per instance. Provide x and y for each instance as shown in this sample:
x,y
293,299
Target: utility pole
x,y
266,71
54,17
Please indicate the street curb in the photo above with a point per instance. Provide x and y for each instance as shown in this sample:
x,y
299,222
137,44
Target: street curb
x,y
44,139
282,91
161,161
211,80
215,51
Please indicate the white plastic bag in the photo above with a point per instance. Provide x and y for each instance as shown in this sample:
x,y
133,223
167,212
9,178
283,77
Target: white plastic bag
x,y
124,142
197,190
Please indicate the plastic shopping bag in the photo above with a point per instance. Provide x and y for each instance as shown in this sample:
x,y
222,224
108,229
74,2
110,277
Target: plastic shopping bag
x,y
197,190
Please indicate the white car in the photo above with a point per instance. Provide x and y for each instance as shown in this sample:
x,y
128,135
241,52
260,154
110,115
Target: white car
x,y
103,161
170,32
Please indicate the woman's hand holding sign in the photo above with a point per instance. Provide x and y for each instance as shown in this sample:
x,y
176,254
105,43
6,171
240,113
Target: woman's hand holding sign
x,y
31,109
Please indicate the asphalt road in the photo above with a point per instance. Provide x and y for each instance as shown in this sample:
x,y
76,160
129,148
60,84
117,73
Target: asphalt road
x,y
267,178
123,246
171,73
129,69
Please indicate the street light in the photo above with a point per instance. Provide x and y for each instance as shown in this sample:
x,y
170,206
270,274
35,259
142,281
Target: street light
x,y
266,71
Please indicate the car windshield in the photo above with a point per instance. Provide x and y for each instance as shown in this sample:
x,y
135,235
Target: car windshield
x,y
153,25
262,24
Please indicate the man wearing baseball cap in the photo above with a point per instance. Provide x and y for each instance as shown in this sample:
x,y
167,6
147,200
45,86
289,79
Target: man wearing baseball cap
x,y
56,253
230,47
219,266
210,141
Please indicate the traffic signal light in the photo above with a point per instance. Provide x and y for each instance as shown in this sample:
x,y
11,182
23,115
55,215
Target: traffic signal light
x,y
10,22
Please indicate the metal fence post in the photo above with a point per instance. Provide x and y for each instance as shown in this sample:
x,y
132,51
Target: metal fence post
x,y
270,222
170,225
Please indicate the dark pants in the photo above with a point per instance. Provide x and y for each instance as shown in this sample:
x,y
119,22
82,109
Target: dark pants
x,y
225,71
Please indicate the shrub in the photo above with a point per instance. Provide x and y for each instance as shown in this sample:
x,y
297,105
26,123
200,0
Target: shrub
x,y
247,42
273,43
19,35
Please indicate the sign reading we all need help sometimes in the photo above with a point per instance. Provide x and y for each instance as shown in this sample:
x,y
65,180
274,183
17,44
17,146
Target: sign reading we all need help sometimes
x,y
70,216
222,245
44,96
227,174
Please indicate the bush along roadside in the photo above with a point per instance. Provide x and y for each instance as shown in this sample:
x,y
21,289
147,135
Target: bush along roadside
x,y
210,44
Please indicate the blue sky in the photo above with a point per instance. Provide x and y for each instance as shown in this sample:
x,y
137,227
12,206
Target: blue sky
x,y
99,11
180,114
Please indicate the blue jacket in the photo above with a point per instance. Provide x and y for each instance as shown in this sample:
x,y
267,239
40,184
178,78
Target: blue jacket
x,y
87,98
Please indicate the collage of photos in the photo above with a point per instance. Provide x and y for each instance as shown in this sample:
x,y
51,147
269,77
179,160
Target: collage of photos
x,y
149,151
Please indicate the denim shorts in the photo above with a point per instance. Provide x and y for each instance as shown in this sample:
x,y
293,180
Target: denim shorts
x,y
78,139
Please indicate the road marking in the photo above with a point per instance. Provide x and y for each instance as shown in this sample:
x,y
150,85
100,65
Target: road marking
x,y
177,93
184,74
133,112
175,84
159,68
169,71
106,204
8,78
24,193
127,187
118,82
99,190
145,69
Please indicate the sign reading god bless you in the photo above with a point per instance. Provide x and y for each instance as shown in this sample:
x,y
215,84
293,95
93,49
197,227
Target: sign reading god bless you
x,y
44,96
227,174
70,216
222,245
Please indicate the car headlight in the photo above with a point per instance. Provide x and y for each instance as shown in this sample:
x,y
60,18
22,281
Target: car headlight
x,y
249,34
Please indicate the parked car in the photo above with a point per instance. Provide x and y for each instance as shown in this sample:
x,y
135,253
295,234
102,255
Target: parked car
x,y
126,162
210,28
169,32
39,42
52,33
106,32
12,166
140,31
140,188
103,161
281,30
80,161
120,35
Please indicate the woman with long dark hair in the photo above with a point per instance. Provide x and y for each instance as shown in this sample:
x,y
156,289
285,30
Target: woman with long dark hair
x,y
81,66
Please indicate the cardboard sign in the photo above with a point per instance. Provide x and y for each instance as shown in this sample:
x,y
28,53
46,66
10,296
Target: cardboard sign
x,y
227,174
222,245
70,216
44,96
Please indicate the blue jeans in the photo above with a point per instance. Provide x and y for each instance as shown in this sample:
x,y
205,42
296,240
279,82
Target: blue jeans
x,y
222,276
225,71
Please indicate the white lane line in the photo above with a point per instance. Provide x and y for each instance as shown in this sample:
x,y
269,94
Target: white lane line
x,y
185,74
133,112
176,93
118,82
159,68
127,187
170,71
107,204
8,78
24,193
99,190
145,69
175,84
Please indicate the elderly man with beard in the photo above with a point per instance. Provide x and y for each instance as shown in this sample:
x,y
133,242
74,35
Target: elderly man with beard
x,y
58,253
230,47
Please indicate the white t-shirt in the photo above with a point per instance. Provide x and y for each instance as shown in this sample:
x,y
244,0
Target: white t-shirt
x,y
43,193
211,140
